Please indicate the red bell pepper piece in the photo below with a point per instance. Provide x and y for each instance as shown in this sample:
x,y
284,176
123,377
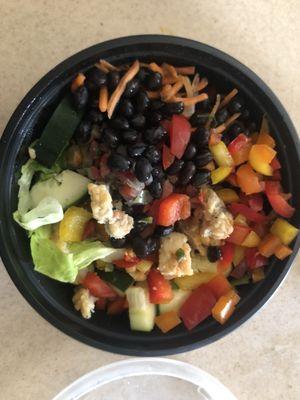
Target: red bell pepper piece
x,y
227,251
97,286
173,208
275,164
238,143
277,200
167,157
180,134
251,215
254,259
239,234
219,285
160,290
128,192
117,306
197,307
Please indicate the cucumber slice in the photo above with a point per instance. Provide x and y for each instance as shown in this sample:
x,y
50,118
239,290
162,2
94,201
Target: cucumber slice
x,y
175,304
141,311
121,280
57,133
202,264
68,187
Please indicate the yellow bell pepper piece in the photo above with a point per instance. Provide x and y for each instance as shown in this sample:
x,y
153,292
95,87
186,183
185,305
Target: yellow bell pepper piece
x,y
227,195
72,225
260,157
144,265
194,281
219,174
284,230
252,240
240,220
221,155
238,255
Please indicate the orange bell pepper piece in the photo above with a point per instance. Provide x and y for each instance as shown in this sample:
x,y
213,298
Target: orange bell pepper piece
x,y
167,321
225,306
268,245
248,180
260,157
265,138
219,285
283,251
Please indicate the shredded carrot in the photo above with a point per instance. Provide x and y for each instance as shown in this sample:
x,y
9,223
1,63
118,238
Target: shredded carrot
x,y
221,128
170,91
195,83
115,97
169,80
77,82
108,65
156,68
192,100
103,99
169,70
186,70
213,112
102,68
153,95
228,98
202,84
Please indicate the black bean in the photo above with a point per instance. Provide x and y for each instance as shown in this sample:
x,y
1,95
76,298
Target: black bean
x,y
93,102
139,226
186,173
129,136
138,121
96,116
143,74
120,123
201,137
213,253
113,80
83,132
173,108
236,105
156,105
152,244
155,189
204,106
153,81
157,173
234,130
245,114
175,167
154,118
163,230
117,243
143,169
198,119
126,108
80,97
190,152
202,159
201,177
154,135
110,137
119,162
132,88
152,154
140,246
251,127
142,102
221,116
96,78
136,150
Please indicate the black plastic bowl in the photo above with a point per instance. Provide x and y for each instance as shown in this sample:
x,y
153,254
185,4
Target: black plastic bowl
x,y
53,299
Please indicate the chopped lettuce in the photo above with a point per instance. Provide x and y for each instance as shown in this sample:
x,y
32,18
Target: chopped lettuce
x,y
49,260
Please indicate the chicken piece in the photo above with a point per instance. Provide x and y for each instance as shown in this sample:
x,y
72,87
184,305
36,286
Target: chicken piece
x,y
119,225
169,264
191,227
217,222
101,202
84,302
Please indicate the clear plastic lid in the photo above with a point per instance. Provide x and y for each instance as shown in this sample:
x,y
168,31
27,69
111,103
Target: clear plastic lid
x,y
149,378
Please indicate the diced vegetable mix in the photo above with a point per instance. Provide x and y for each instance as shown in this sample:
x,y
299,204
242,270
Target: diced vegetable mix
x,y
154,192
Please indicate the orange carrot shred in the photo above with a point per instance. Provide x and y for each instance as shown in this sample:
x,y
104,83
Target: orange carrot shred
x,y
116,95
108,65
192,100
171,91
186,70
103,99
169,70
213,112
202,84
228,98
221,128
77,82
156,68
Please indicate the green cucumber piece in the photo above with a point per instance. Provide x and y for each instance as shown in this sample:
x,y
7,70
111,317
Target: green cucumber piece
x,y
141,311
121,280
175,304
57,133
68,188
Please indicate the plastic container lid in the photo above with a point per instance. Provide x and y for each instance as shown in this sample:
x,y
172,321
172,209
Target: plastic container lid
x,y
149,378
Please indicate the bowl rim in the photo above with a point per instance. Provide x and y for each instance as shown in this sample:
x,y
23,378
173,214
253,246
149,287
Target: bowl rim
x,y
12,128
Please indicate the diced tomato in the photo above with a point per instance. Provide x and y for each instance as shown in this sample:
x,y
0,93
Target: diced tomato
x,y
117,306
219,285
197,307
251,215
173,208
167,189
275,164
97,286
89,229
103,167
125,264
276,176
239,271
239,234
180,134
100,304
167,157
227,251
160,290
254,259
277,201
